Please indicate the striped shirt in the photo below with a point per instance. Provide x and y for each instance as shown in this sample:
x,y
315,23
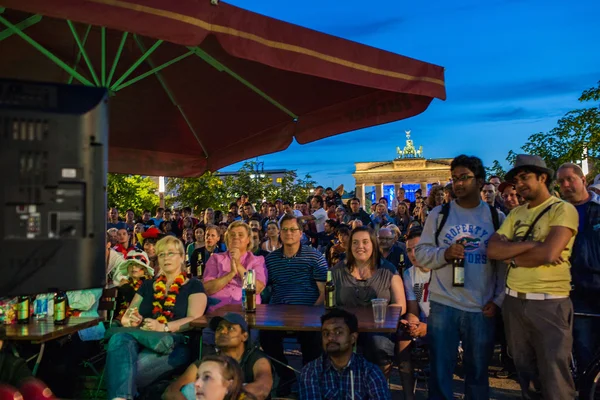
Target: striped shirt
x,y
294,280
320,380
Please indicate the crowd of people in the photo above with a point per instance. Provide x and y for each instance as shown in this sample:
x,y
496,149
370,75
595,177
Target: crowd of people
x,y
473,263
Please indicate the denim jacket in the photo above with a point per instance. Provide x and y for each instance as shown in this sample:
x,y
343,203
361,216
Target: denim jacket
x,y
585,261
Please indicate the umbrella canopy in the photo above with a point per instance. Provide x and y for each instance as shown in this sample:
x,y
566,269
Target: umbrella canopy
x,y
199,86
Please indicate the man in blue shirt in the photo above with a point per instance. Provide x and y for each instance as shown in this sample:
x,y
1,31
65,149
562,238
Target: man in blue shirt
x,y
340,373
296,275
585,262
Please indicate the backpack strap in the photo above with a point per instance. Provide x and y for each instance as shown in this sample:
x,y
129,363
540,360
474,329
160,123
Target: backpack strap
x,y
495,217
442,218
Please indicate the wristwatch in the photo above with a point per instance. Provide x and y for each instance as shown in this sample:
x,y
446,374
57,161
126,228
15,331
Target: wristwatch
x,y
167,327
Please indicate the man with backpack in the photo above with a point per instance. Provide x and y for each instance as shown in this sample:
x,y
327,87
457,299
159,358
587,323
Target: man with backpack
x,y
538,239
466,287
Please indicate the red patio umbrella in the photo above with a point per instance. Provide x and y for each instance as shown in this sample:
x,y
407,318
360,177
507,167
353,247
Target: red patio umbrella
x,y
200,86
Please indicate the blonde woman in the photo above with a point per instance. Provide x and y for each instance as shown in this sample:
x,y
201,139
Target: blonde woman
x,y
224,272
167,303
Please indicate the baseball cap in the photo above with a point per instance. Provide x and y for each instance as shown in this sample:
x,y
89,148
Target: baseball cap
x,y
502,187
232,318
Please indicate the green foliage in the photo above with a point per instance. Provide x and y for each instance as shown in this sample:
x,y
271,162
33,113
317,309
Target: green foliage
x,y
131,191
495,170
577,130
210,190
205,191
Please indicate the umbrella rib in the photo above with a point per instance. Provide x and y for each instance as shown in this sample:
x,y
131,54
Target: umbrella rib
x,y
84,41
83,52
152,71
117,57
34,19
45,52
170,95
221,67
136,64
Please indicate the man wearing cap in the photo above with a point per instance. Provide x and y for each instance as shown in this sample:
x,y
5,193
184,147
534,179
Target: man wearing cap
x,y
537,240
585,262
233,340
510,198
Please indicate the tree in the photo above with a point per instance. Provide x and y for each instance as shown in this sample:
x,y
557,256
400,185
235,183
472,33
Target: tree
x,y
131,191
495,170
208,190
576,137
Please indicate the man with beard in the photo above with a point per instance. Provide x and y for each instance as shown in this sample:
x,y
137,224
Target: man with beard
x,y
466,287
537,239
232,339
585,262
339,371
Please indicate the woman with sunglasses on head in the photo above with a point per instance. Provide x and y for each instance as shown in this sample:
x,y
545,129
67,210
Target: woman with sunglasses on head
x,y
167,303
364,276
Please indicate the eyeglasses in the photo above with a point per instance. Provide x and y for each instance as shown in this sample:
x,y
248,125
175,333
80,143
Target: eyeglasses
x,y
462,178
168,255
386,238
292,230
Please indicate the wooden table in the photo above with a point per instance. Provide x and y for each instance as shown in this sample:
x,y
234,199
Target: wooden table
x,y
42,331
280,317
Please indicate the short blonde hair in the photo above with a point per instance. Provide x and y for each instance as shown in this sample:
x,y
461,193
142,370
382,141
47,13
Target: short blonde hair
x,y
167,241
239,224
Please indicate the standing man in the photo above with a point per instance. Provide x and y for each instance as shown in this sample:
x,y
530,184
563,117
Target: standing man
x,y
538,239
296,275
158,218
488,193
585,262
463,302
400,196
319,214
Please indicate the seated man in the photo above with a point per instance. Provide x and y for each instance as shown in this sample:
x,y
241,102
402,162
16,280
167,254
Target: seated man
x,y
330,375
416,286
232,339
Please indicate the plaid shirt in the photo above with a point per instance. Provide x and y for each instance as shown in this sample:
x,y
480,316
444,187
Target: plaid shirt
x,y
320,380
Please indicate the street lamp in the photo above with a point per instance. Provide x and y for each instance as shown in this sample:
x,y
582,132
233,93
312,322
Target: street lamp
x,y
161,191
259,169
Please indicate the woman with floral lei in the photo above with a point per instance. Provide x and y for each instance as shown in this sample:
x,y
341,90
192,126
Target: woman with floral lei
x,y
167,303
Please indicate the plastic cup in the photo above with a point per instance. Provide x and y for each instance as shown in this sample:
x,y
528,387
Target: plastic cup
x,y
379,310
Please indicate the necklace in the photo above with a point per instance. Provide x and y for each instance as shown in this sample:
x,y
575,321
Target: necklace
x,y
164,302
135,283
270,248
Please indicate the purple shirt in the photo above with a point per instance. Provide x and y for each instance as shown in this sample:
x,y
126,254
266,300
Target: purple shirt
x,y
219,264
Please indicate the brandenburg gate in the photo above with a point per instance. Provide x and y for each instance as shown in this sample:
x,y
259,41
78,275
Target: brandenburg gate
x,y
409,170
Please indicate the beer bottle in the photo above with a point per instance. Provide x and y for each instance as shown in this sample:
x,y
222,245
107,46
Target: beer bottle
x,y
200,267
329,292
401,264
249,295
23,310
60,308
458,272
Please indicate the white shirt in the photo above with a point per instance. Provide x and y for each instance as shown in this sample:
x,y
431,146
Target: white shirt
x,y
416,287
320,218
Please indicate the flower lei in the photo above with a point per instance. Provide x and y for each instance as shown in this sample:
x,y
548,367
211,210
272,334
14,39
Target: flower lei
x,y
164,302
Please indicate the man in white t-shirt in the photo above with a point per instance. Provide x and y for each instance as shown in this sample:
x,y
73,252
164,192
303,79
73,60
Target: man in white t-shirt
x,y
319,214
416,287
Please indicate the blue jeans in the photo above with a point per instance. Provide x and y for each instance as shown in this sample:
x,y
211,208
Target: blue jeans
x,y
446,327
586,339
129,366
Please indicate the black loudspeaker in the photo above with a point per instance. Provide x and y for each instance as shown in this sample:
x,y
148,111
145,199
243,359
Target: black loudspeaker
x,y
53,164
